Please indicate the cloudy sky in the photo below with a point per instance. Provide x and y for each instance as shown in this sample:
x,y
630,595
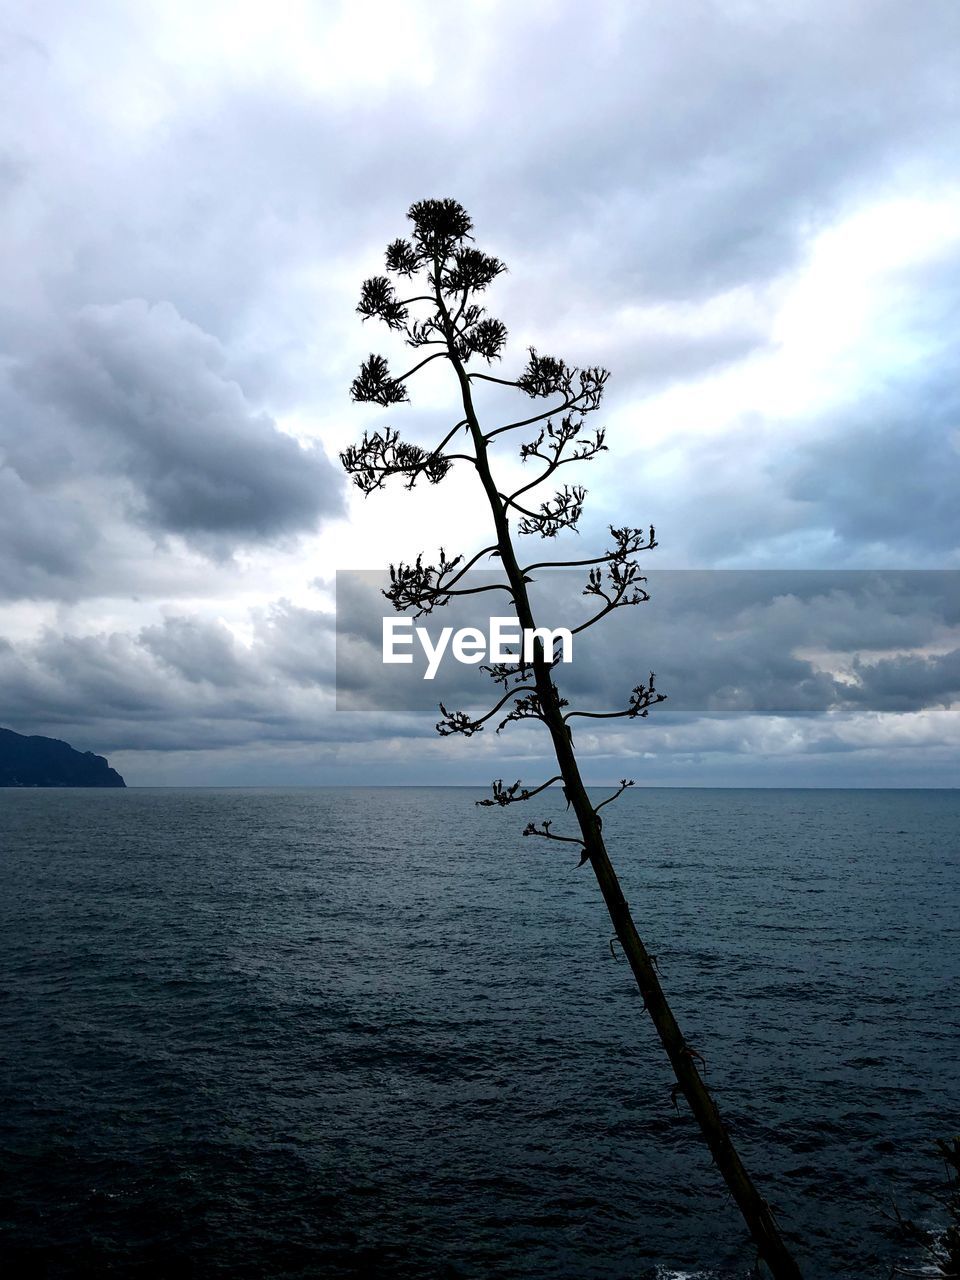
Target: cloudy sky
x,y
749,212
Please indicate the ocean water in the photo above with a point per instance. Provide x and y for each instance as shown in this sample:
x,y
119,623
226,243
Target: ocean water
x,y
347,1033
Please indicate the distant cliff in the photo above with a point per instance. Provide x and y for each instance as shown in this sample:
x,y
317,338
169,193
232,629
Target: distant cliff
x,y
47,762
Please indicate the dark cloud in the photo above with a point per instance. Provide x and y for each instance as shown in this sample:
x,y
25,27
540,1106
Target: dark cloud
x,y
200,652
183,684
888,474
908,682
149,393
297,643
778,643
45,539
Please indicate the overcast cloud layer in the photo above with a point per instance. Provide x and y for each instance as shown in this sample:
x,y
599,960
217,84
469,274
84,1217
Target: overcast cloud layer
x,y
749,213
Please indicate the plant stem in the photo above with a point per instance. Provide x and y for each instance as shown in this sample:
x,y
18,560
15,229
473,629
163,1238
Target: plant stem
x,y
755,1211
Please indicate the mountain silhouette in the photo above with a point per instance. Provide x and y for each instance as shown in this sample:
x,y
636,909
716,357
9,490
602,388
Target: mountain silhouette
x,y
47,762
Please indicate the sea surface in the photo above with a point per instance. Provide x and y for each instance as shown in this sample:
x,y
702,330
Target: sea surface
x,y
375,1032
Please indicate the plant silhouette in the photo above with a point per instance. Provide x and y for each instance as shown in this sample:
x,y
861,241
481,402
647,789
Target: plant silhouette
x,y
442,319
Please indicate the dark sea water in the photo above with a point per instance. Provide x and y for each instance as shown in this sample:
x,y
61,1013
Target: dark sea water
x,y
346,1033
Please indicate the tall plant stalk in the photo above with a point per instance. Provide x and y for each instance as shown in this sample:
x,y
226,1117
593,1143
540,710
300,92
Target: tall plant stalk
x,y
444,316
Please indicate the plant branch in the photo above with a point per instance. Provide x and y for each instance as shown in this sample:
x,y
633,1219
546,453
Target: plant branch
x,y
460,722
437,355
642,698
625,783
504,795
531,829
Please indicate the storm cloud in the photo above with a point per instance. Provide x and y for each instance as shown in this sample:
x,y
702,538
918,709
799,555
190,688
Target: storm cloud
x,y
136,394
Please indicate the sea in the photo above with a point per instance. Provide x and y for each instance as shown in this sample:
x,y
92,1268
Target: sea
x,y
377,1032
